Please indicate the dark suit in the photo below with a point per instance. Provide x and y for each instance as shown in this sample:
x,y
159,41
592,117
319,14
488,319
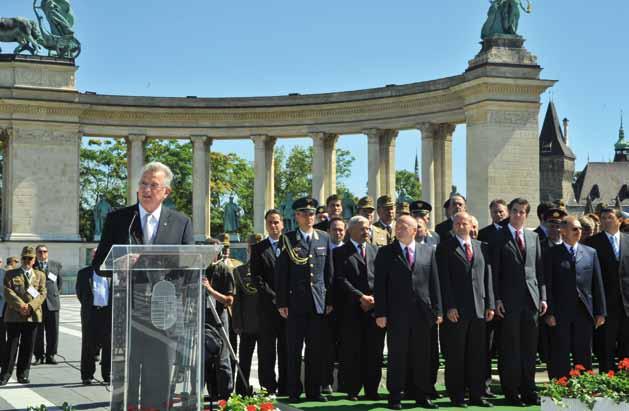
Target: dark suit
x,y
488,234
305,289
444,229
124,227
95,326
575,296
410,299
362,341
272,330
519,284
323,225
466,287
50,325
613,337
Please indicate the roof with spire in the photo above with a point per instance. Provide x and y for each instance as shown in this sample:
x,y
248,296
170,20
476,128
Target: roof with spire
x,y
621,144
551,140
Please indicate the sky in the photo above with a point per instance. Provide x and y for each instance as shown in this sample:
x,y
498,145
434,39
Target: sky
x,y
275,47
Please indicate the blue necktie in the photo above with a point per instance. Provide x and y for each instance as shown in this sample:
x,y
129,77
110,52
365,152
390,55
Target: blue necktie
x,y
615,247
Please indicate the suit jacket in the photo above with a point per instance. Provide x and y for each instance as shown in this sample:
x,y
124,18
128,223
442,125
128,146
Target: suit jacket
x,y
567,280
263,262
16,294
124,227
465,286
53,288
85,286
399,288
444,229
353,275
488,234
323,225
541,234
301,285
516,276
615,272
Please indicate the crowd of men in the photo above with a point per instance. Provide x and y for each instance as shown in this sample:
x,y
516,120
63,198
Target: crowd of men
x,y
344,287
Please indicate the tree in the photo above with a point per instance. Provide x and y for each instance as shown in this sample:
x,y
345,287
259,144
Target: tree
x,y
406,182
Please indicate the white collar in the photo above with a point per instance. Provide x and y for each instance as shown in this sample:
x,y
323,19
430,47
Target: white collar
x,y
513,230
304,235
411,246
356,245
497,226
157,213
463,242
616,236
272,241
568,246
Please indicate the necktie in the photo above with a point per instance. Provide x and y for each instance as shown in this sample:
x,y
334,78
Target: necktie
x,y
276,249
409,256
615,247
388,228
308,239
520,241
361,250
572,253
27,275
468,253
149,228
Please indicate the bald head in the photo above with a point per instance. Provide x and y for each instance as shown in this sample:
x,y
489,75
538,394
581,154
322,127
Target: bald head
x,y
571,230
462,224
405,229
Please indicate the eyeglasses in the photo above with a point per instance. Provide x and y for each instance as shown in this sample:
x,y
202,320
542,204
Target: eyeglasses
x,y
152,186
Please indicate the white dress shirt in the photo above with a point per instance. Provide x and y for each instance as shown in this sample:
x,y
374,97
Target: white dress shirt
x,y
149,225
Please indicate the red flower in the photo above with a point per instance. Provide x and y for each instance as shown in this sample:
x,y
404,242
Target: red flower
x,y
590,372
563,381
575,373
579,367
624,364
251,408
611,374
266,406
222,404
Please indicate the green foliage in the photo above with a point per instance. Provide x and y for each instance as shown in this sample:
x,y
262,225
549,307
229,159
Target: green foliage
x,y
260,401
587,386
64,407
406,182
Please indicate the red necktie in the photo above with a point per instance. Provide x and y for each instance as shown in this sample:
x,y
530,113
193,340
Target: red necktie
x,y
409,256
362,251
520,241
468,253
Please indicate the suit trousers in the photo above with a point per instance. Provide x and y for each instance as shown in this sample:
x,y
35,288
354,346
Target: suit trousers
x,y
434,356
3,342
465,352
218,370
308,328
48,330
408,342
96,335
22,336
492,340
332,345
362,347
571,336
272,345
518,350
245,356
613,339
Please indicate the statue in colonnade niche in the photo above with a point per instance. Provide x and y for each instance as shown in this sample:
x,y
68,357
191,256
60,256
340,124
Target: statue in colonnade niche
x,y
503,18
100,211
286,210
231,216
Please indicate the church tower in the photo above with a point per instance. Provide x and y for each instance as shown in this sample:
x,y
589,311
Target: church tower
x,y
621,148
556,159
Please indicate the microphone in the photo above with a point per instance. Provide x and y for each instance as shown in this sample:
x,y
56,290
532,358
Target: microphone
x,y
135,214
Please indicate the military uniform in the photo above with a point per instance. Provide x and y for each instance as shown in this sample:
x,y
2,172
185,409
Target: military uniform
x,y
386,201
377,236
304,281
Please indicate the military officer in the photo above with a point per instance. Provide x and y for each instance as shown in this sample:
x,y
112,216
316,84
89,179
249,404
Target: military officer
x,y
377,236
421,210
304,298
402,208
386,216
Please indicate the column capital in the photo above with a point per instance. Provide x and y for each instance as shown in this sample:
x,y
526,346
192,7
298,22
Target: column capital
x,y
436,130
263,139
198,139
136,138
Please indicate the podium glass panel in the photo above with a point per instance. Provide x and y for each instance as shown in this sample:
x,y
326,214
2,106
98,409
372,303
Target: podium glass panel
x,y
157,325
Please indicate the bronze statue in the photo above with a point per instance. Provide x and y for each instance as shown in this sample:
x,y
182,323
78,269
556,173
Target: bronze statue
x,y
503,17
22,31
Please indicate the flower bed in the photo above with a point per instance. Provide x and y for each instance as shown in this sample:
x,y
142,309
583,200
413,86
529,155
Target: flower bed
x,y
257,402
587,390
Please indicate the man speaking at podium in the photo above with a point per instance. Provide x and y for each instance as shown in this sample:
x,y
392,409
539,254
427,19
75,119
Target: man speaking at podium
x,y
147,222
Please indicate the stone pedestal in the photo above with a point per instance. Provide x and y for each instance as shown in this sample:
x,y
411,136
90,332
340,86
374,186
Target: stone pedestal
x,y
37,72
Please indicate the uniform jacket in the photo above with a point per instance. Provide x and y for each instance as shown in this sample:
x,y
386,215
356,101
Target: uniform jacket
x,y
615,272
516,276
399,288
390,236
299,286
465,287
567,280
124,227
16,293
53,288
379,236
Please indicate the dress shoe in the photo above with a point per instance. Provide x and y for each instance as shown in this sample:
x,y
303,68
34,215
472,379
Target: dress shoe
x,y
531,400
434,395
23,380
515,401
352,397
87,381
458,403
481,403
374,396
318,398
38,361
426,403
51,360
293,399
327,389
395,406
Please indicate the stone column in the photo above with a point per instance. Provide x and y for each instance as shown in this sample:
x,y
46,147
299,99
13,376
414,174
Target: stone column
x,y
428,167
264,184
387,162
373,162
443,167
135,162
330,164
41,181
201,187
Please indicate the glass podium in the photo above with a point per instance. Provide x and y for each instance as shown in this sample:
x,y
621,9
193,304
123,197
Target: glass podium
x,y
157,325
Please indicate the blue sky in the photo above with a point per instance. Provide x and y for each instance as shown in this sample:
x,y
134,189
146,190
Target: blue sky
x,y
253,48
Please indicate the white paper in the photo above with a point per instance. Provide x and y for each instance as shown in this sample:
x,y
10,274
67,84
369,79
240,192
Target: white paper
x,y
33,292
52,277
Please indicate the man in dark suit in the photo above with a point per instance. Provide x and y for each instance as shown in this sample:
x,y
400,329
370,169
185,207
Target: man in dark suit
x,y
576,300
542,230
455,204
520,299
612,248
272,330
362,341
94,294
304,298
49,328
498,212
468,300
408,304
146,222
334,208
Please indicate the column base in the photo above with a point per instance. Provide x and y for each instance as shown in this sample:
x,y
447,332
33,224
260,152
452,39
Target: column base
x,y
43,237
